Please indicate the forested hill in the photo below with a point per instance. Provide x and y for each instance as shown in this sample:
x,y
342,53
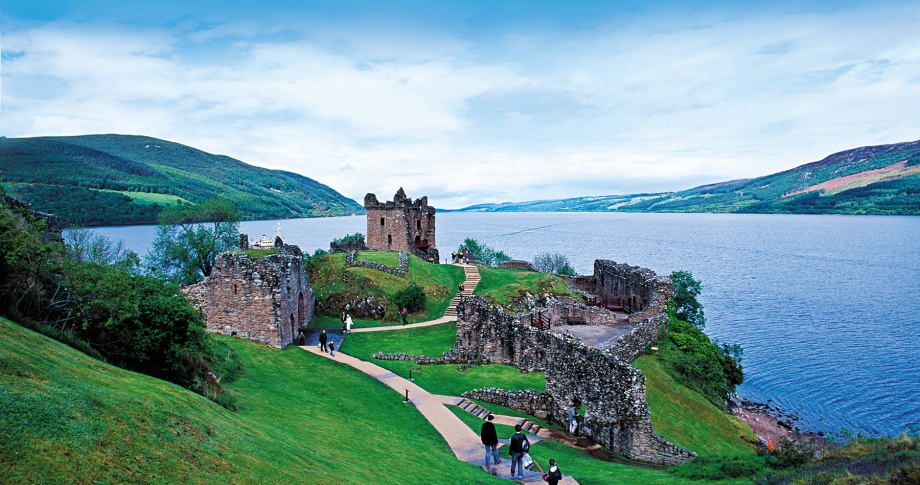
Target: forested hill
x,y
124,179
881,179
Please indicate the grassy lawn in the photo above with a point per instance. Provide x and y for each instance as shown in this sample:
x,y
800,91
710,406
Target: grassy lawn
x,y
389,258
687,419
443,379
148,198
67,418
504,286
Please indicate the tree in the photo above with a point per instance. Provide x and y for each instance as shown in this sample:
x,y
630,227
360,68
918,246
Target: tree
x,y
686,306
190,237
483,253
553,263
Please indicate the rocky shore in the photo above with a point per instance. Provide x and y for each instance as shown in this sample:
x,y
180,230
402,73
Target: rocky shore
x,y
770,423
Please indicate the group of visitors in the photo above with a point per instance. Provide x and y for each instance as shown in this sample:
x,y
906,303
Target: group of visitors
x,y
461,257
517,449
346,322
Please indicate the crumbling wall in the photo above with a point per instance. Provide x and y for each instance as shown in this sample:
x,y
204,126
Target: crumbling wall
x,y
516,264
613,391
402,270
640,289
266,299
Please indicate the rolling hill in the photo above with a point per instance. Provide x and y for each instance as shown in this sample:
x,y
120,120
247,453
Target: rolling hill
x,y
125,179
881,179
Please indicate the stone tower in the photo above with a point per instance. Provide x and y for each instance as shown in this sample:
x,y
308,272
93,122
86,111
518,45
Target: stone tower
x,y
401,225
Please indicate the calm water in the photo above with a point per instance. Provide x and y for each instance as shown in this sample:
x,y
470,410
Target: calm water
x,y
827,308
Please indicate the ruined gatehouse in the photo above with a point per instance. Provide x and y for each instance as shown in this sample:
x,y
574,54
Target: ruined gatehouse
x,y
267,299
401,225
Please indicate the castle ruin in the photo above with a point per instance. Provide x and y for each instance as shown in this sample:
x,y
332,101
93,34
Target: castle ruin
x,y
401,225
267,299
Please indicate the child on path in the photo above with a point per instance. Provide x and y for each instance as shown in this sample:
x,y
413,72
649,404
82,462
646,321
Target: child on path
x,y
553,475
332,348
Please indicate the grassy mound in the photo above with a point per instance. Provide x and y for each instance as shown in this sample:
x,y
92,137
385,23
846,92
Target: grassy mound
x,y
336,285
66,418
506,287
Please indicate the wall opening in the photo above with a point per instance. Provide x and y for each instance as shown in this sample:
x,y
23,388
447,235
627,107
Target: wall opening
x,y
382,221
418,224
389,240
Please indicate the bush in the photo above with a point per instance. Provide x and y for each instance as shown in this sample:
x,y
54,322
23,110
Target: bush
x,y
483,253
553,263
411,297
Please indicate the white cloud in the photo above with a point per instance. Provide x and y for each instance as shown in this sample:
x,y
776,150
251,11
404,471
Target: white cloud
x,y
520,116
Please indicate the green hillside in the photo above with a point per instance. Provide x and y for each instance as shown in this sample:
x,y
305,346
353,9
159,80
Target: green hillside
x,y
124,179
881,179
68,418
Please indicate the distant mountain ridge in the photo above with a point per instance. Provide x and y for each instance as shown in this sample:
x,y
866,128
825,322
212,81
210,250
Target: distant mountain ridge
x,y
883,179
125,179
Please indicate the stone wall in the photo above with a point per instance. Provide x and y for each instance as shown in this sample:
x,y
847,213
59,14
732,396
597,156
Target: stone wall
x,y
402,271
266,299
347,246
530,401
401,225
613,391
640,289
516,264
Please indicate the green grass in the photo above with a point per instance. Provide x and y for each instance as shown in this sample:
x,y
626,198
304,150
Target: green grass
x,y
505,286
389,258
439,282
67,418
149,198
260,253
586,469
443,379
689,420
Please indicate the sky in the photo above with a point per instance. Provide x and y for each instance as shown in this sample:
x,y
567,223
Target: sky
x,y
473,102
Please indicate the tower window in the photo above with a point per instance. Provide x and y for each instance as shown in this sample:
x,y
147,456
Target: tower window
x,y
418,224
381,221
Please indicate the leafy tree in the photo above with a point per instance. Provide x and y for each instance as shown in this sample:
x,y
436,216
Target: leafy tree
x,y
686,306
190,237
483,253
554,263
411,297
84,246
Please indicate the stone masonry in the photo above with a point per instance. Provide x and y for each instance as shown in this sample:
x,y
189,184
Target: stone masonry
x,y
401,225
266,299
613,391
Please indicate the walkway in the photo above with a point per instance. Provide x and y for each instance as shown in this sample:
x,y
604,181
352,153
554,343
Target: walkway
x,y
463,441
450,315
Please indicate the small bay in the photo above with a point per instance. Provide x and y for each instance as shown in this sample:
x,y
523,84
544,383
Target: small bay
x,y
827,308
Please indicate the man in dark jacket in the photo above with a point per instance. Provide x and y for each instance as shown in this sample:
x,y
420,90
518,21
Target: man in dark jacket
x,y
553,475
323,338
517,450
490,441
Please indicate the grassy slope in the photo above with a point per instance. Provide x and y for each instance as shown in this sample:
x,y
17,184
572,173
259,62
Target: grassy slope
x,y
439,282
503,286
687,419
75,170
66,418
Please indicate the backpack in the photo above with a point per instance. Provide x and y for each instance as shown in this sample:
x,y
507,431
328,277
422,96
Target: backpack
x,y
525,446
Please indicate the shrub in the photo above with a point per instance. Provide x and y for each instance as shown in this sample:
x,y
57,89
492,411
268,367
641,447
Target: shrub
x,y
411,297
483,253
553,263
719,467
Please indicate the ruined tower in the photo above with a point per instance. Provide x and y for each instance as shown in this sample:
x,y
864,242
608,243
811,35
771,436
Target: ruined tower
x,y
401,225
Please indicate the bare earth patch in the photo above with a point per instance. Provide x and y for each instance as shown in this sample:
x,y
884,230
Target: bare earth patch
x,y
860,179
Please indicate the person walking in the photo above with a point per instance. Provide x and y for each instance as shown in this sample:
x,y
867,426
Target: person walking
x,y
405,315
332,348
573,419
519,446
300,337
490,440
348,324
323,338
553,475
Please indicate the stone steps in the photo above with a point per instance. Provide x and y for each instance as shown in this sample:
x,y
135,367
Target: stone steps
x,y
472,279
474,409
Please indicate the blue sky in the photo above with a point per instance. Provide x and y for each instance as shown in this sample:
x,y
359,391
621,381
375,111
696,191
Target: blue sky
x,y
471,102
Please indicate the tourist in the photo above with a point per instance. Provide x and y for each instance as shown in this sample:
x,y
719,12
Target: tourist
x,y
553,475
343,320
490,440
519,446
348,323
573,419
405,315
461,288
300,337
323,338
332,348
453,257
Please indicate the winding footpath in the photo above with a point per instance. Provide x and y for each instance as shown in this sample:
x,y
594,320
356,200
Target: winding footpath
x,y
463,441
